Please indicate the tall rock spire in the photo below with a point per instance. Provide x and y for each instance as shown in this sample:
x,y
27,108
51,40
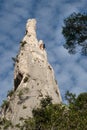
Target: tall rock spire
x,y
33,77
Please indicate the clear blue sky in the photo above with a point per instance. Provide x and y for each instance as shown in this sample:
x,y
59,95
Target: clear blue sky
x,y
70,70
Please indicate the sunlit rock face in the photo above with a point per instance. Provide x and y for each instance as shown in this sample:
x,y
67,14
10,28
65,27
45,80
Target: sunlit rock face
x,y
33,77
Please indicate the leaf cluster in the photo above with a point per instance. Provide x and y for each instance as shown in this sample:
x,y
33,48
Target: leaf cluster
x,y
60,116
5,124
49,116
75,32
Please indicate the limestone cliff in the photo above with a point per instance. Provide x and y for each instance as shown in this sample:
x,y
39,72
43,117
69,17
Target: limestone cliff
x,y
33,77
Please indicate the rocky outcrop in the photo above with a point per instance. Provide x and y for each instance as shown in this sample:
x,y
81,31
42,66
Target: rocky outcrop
x,y
33,77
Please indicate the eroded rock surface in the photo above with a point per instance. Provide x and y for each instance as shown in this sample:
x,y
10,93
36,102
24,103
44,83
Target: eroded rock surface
x,y
33,77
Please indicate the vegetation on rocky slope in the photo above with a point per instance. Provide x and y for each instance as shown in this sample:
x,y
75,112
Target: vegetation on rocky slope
x,y
59,116
72,116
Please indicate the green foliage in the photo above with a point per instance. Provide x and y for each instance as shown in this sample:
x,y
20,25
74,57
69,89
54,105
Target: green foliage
x,y
75,32
70,97
81,102
78,112
46,101
5,104
63,117
26,90
23,43
26,124
15,59
10,93
24,107
18,126
26,79
56,116
20,94
5,124
49,117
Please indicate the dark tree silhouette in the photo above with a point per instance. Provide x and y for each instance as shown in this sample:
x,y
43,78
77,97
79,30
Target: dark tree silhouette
x,y
75,33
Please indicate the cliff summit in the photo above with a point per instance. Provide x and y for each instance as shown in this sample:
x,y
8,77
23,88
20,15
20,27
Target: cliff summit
x,y
33,77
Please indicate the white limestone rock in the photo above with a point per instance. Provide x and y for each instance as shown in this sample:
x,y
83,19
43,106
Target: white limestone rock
x,y
33,77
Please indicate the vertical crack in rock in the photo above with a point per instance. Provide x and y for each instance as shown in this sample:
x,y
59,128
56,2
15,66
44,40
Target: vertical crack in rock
x,y
18,80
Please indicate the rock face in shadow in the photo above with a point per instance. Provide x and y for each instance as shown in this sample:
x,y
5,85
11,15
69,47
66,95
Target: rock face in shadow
x,y
33,77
